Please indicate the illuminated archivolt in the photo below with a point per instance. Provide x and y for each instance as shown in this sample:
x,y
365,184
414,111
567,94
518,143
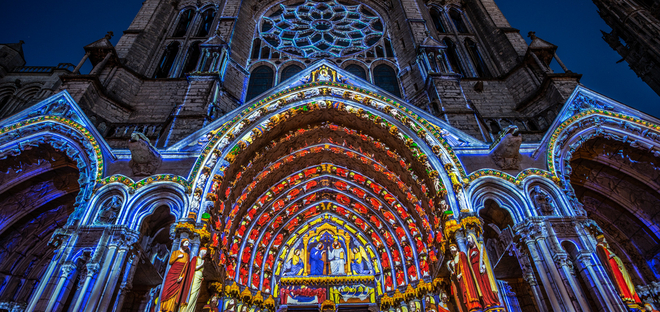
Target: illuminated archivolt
x,y
286,205
337,150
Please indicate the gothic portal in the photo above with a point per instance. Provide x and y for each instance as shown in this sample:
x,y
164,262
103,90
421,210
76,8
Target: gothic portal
x,y
322,155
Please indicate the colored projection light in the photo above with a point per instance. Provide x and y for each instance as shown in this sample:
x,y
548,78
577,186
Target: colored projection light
x,y
319,28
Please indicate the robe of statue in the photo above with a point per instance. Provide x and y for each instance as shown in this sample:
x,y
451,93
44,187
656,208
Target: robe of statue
x,y
175,281
294,266
316,262
193,285
337,261
488,294
359,265
464,285
618,272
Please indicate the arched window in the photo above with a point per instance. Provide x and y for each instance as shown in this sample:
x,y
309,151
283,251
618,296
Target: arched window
x,y
385,78
290,71
167,60
452,57
457,19
388,48
192,58
357,70
436,16
477,60
261,79
184,23
256,47
207,20
380,52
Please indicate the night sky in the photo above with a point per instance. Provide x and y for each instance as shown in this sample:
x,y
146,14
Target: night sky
x,y
56,31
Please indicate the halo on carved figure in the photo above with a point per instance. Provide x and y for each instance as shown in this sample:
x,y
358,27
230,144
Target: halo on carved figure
x,y
321,28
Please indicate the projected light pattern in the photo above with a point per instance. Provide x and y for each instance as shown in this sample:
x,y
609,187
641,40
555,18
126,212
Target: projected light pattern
x,y
320,28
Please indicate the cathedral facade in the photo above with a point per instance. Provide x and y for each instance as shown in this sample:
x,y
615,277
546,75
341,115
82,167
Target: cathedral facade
x,y
323,155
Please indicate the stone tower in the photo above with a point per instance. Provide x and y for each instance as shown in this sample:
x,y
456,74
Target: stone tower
x,y
322,155
635,31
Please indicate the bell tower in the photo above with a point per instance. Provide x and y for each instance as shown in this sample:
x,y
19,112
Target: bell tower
x,y
635,29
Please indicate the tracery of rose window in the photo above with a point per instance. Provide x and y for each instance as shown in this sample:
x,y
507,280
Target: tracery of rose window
x,y
321,28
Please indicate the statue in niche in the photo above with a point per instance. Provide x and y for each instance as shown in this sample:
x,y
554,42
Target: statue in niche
x,y
324,75
617,271
360,263
316,259
193,282
337,259
462,280
109,211
542,201
295,265
482,273
176,277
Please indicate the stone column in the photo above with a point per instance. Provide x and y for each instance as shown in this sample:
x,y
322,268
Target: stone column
x,y
544,238
127,283
530,278
111,282
99,284
538,62
567,269
99,67
531,236
92,268
77,70
608,298
57,241
121,245
603,291
68,269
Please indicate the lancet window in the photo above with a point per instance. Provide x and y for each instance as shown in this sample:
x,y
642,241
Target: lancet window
x,y
261,79
357,70
167,60
192,23
462,48
385,78
290,71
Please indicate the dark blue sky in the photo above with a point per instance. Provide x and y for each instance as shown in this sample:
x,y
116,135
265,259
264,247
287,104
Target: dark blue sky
x,y
56,31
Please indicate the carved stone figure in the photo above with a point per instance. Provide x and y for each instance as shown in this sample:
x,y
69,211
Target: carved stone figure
x,y
462,279
145,159
542,201
176,278
109,211
506,153
483,275
194,282
617,271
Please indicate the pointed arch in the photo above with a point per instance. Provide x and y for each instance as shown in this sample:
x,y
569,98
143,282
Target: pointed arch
x,y
261,79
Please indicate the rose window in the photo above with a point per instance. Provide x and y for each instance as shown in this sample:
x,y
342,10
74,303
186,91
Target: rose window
x,y
321,28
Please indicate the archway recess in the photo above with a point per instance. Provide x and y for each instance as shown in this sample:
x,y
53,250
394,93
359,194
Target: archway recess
x,y
326,179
